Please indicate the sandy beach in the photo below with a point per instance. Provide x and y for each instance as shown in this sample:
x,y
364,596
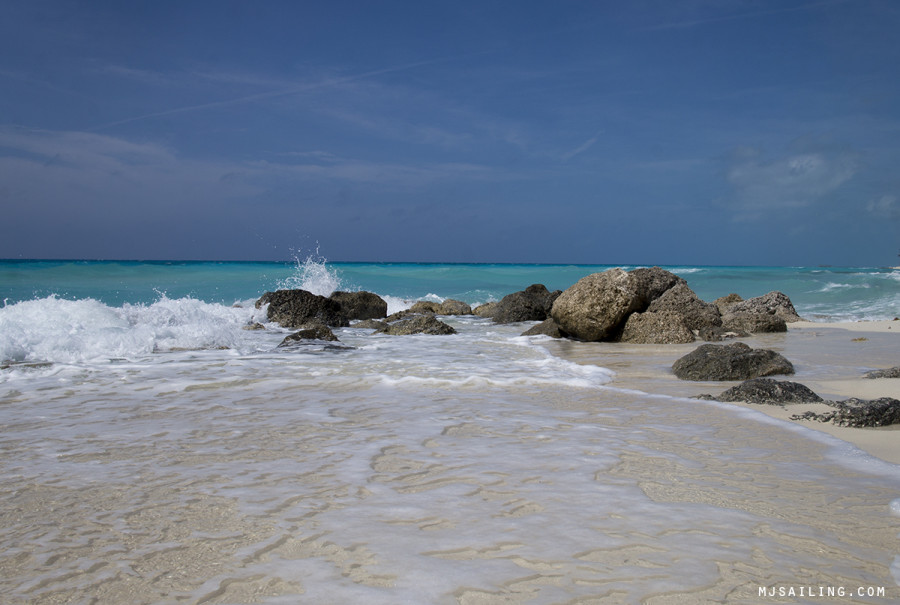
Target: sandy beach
x,y
829,358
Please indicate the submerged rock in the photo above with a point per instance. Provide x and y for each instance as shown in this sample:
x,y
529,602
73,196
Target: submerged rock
x,y
730,362
858,413
768,390
420,324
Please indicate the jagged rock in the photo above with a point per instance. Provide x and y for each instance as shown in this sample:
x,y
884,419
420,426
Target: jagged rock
x,y
454,307
293,308
890,373
486,310
662,327
309,331
253,325
360,305
531,304
730,362
773,303
681,300
724,303
419,324
858,413
767,390
547,327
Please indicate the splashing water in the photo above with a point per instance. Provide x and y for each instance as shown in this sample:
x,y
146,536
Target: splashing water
x,y
312,275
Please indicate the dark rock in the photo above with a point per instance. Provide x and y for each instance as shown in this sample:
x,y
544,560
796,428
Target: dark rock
x,y
767,390
486,310
531,304
419,324
730,362
662,327
773,303
309,331
361,305
547,327
680,299
293,308
858,413
891,373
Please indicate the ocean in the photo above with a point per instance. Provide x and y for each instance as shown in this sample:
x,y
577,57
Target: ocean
x,y
155,451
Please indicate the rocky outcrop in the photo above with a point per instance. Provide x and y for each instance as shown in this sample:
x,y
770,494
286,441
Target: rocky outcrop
x,y
662,327
858,413
597,306
360,305
531,304
369,324
890,373
681,300
767,390
419,324
730,362
309,331
547,327
293,308
769,313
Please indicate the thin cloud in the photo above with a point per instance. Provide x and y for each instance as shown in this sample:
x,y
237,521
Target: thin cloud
x,y
581,148
739,16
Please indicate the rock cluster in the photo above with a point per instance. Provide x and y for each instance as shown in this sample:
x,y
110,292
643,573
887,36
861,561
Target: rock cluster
x,y
858,413
654,306
769,391
889,373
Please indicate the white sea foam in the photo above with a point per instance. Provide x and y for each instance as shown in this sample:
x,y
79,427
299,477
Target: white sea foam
x,y
313,275
60,330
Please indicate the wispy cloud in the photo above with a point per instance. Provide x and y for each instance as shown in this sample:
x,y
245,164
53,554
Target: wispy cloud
x,y
581,148
688,23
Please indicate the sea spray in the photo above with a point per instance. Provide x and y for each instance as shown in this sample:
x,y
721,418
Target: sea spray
x,y
313,275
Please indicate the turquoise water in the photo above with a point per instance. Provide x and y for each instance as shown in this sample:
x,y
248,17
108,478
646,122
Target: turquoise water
x,y
820,293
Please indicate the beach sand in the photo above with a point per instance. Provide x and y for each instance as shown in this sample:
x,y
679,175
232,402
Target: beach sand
x,y
829,358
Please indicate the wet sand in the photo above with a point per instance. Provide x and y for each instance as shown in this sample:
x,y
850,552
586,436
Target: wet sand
x,y
829,358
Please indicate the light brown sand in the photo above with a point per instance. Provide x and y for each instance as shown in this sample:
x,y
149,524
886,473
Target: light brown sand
x,y
829,358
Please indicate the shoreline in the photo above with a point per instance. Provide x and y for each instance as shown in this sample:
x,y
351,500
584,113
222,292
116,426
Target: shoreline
x,y
829,358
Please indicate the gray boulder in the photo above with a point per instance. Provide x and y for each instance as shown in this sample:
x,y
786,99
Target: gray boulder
x,y
653,282
730,362
753,323
369,324
419,324
293,308
767,390
725,302
486,310
422,307
360,305
531,304
662,327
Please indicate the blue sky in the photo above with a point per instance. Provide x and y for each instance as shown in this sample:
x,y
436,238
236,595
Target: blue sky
x,y
752,132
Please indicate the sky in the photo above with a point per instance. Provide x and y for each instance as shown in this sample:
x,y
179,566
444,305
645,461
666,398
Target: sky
x,y
712,132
